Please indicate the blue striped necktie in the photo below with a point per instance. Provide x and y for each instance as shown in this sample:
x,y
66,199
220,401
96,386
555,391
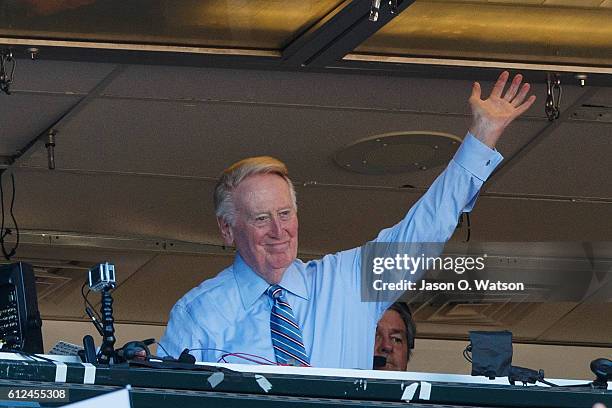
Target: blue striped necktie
x,y
286,334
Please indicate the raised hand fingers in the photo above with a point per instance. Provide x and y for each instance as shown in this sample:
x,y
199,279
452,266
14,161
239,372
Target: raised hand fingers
x,y
514,86
475,91
521,96
523,107
500,84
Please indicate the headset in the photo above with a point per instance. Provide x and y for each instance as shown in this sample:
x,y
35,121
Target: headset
x,y
135,350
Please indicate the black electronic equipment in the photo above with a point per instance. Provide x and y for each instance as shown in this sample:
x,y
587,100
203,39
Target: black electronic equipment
x,y
20,323
379,361
135,350
102,279
490,353
88,354
602,368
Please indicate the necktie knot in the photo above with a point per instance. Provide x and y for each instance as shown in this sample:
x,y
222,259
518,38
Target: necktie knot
x,y
275,292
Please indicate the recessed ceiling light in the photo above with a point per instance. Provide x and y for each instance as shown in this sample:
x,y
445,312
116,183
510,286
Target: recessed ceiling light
x,y
398,152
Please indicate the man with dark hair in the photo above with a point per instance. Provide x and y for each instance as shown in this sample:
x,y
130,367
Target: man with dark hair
x,y
394,340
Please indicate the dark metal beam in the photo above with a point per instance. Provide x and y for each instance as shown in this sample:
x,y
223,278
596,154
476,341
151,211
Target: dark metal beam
x,y
141,54
339,33
298,52
536,73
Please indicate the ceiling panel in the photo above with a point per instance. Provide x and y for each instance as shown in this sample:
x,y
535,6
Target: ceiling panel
x,y
272,87
316,89
65,77
218,23
201,139
25,116
575,161
588,322
603,97
497,219
540,32
114,205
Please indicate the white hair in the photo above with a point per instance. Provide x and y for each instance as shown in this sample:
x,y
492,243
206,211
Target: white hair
x,y
236,173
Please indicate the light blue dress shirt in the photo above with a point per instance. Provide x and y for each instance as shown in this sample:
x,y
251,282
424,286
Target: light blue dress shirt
x,y
231,311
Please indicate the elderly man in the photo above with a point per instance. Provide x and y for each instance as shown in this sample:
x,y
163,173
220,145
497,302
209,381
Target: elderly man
x,y
273,306
394,339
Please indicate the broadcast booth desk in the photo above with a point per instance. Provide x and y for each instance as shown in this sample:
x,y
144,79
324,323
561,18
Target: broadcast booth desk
x,y
232,385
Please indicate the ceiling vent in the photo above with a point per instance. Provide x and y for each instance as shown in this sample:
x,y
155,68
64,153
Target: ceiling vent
x,y
398,152
51,275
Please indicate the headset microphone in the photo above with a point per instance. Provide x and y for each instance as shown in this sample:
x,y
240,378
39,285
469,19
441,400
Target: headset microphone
x,y
379,361
187,358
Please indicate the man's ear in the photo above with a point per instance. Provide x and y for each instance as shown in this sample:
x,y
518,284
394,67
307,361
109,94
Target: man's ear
x,y
226,231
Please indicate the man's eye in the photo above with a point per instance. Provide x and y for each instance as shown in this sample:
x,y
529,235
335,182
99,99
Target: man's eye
x,y
284,215
397,340
261,218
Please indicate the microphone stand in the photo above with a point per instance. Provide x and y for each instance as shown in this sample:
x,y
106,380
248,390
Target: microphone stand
x,y
107,349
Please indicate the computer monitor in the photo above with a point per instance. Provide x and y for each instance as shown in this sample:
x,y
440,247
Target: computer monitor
x,y
20,323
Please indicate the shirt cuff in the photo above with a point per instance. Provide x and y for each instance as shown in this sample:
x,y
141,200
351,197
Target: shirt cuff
x,y
477,158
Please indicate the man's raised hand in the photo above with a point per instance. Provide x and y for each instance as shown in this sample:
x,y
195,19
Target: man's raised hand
x,y
491,116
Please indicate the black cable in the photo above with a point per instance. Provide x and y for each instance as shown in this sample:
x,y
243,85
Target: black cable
x,y
205,349
261,360
33,356
547,382
87,302
3,233
466,354
163,348
12,214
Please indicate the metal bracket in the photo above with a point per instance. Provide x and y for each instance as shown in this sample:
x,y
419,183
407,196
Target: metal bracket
x,y
393,6
553,96
6,74
374,10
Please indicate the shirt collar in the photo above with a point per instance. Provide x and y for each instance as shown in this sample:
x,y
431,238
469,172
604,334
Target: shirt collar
x,y
251,286
294,280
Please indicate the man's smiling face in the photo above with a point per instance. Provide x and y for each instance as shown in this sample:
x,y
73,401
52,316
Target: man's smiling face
x,y
265,231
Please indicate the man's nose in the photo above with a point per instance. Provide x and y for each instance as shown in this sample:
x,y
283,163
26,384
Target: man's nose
x,y
276,227
385,345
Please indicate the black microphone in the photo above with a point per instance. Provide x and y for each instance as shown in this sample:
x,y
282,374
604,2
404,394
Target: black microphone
x,y
602,368
186,358
380,361
90,350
